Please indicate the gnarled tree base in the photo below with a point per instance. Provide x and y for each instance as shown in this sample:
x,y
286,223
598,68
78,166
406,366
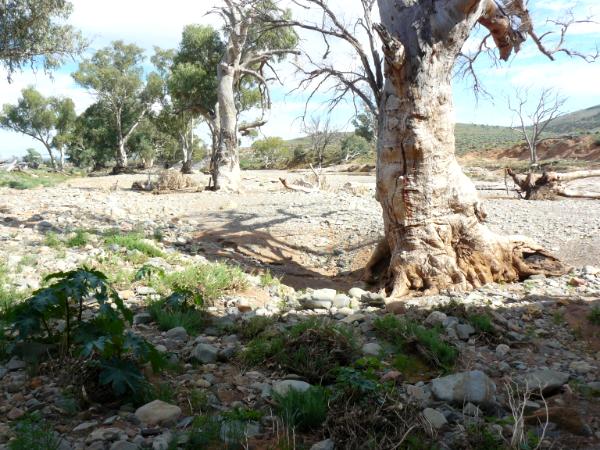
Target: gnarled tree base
x,y
438,257
549,185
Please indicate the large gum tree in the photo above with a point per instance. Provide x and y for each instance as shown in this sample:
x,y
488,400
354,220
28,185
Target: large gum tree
x,y
435,235
252,45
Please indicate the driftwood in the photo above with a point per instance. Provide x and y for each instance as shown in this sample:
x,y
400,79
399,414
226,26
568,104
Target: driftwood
x,y
548,185
297,187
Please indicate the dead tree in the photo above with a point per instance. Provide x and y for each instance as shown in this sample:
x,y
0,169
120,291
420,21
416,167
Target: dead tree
x,y
549,185
363,83
435,236
533,123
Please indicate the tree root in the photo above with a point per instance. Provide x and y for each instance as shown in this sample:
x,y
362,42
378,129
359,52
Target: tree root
x,y
440,258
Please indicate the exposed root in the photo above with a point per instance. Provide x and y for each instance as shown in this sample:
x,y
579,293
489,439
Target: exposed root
x,y
436,258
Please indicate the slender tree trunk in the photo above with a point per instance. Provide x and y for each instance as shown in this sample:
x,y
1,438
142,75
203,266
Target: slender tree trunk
x,y
121,157
434,233
226,165
61,161
51,155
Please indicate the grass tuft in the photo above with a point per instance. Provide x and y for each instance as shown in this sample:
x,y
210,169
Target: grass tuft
x,y
594,316
80,239
168,317
133,241
303,411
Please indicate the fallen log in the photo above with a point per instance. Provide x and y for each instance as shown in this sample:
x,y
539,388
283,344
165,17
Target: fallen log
x,y
549,185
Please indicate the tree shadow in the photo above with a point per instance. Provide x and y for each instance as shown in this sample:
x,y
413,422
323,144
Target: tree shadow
x,y
300,258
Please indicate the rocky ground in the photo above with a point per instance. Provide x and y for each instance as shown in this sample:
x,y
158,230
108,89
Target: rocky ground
x,y
536,337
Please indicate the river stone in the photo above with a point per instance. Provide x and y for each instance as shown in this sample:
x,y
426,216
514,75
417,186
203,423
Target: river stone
x,y
373,299
435,418
341,301
547,380
283,387
435,318
464,330
177,334
205,353
474,386
356,292
371,349
157,412
323,295
142,318
327,444
124,445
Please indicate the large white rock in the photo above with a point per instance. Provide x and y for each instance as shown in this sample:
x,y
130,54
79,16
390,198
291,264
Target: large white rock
x,y
283,387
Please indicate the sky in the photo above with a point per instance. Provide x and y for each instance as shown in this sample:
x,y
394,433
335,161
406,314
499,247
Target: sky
x,y
150,23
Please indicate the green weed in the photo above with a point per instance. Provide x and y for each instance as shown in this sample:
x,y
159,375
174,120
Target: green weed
x,y
168,317
249,329
33,433
30,180
80,239
52,240
594,316
482,323
133,241
402,333
303,411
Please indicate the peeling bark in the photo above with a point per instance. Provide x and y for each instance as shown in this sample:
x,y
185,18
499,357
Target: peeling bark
x,y
433,219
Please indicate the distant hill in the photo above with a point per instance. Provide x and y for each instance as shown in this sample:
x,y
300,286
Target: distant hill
x,y
577,122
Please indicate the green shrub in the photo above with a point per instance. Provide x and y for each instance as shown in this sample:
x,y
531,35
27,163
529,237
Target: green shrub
x,y
594,315
250,329
209,281
133,241
482,323
80,239
404,334
303,411
52,240
205,433
313,348
112,356
32,433
30,180
168,316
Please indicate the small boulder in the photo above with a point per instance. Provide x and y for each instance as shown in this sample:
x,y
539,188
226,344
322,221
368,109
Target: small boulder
x,y
324,295
177,334
373,299
283,387
435,418
124,445
474,386
142,318
205,353
341,301
356,292
327,444
157,412
371,349
464,331
502,350
435,318
546,380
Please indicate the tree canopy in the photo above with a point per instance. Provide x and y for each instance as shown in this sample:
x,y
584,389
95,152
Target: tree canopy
x,y
32,33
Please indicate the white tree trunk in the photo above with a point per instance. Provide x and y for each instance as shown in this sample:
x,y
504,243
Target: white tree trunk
x,y
226,164
434,232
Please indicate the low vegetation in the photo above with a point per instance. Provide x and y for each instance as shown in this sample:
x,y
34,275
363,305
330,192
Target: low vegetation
x,y
314,349
303,410
132,241
31,179
105,358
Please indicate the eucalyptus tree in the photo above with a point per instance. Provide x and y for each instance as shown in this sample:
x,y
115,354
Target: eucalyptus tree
x,y
33,33
47,120
253,44
435,236
192,81
115,76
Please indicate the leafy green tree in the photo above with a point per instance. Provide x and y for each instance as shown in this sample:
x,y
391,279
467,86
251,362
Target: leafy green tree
x,y
115,75
266,150
253,43
32,32
353,146
47,120
365,125
33,158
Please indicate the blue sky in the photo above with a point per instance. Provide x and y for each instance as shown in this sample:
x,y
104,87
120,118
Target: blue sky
x,y
148,23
